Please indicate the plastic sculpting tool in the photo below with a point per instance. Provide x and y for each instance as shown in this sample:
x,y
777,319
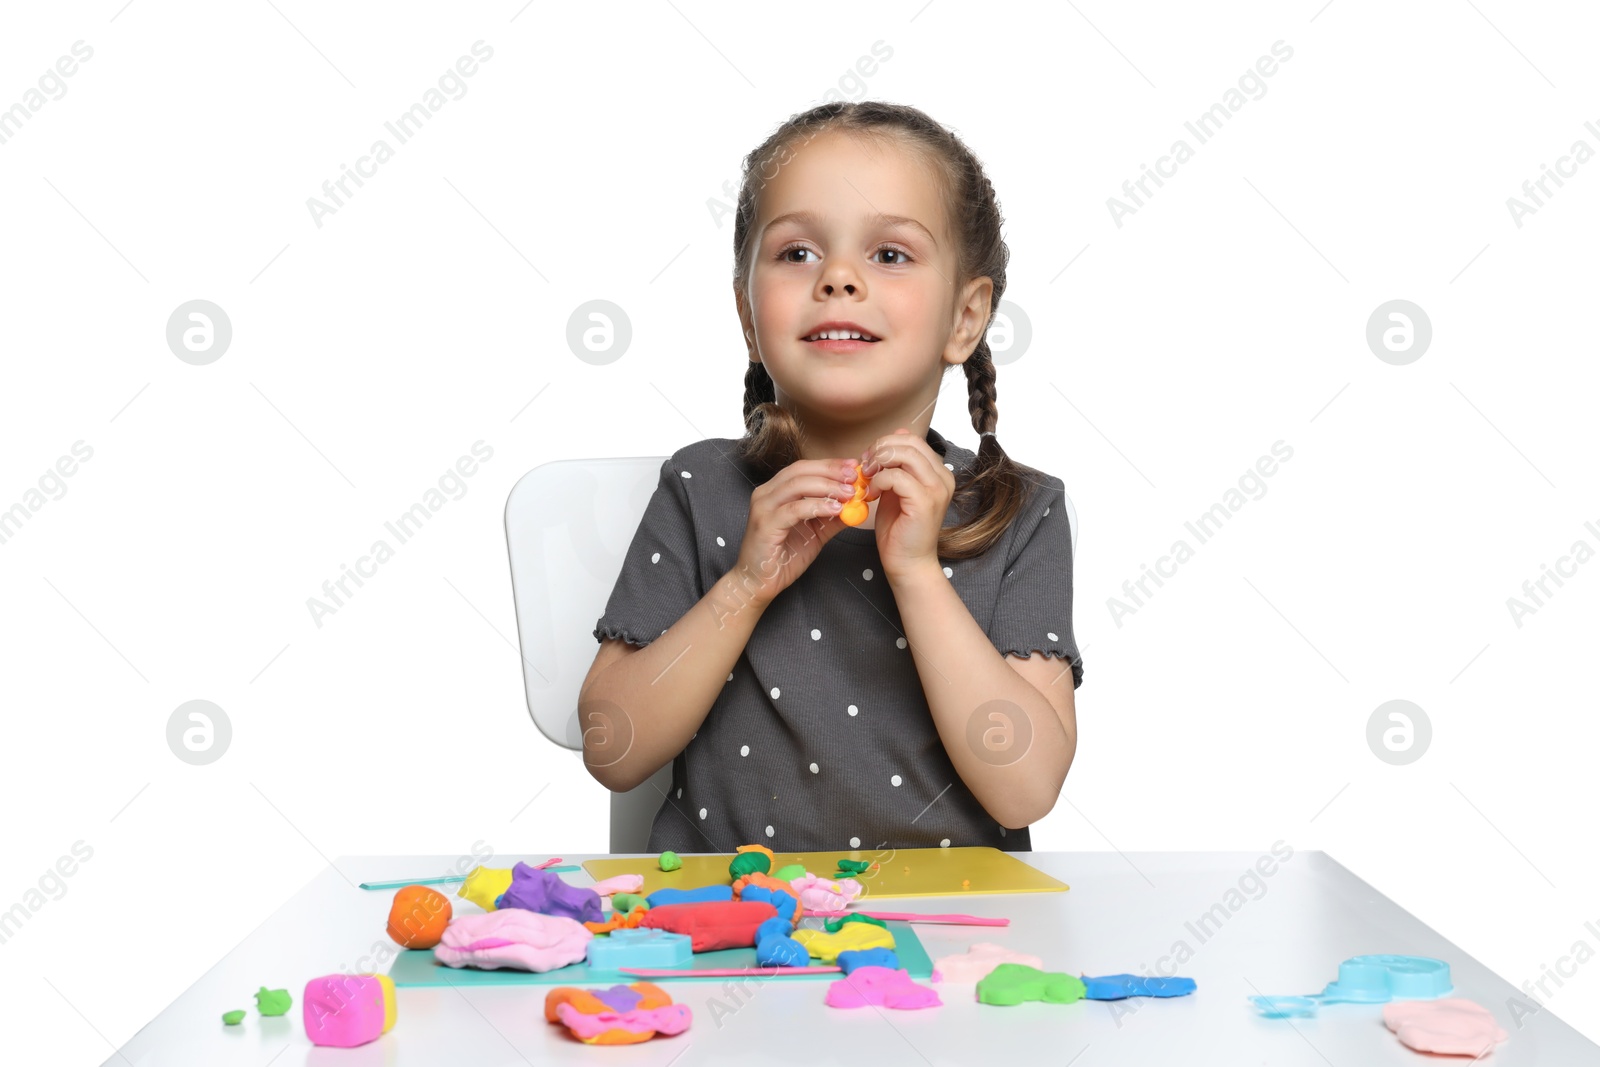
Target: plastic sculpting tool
x,y
459,877
1374,979
949,919
726,972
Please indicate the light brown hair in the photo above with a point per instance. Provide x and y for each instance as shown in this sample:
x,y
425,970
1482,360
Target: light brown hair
x,y
994,490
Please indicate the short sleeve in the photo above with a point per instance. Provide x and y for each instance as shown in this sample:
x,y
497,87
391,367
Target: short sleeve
x,y
1034,612
659,580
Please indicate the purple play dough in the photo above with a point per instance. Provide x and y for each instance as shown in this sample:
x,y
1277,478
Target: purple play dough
x,y
619,998
547,894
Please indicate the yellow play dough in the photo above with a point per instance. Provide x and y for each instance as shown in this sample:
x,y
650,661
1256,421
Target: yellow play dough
x,y
484,885
388,1000
851,936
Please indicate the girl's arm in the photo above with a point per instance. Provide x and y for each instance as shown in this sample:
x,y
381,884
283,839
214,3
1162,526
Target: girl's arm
x,y
639,710
984,708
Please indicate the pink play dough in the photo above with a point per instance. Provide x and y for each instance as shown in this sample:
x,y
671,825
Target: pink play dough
x,y
978,961
622,883
1453,1026
513,937
825,894
880,986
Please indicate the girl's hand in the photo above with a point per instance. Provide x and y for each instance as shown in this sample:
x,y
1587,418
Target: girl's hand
x,y
791,517
913,489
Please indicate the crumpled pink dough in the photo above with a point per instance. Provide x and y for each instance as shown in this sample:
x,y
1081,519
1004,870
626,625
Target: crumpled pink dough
x,y
513,937
1453,1026
825,894
978,961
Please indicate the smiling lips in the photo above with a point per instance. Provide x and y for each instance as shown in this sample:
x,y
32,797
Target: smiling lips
x,y
840,337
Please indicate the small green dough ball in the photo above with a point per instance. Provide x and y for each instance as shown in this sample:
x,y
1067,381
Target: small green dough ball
x,y
790,873
273,1001
623,903
749,863
233,1018
854,866
670,861
833,925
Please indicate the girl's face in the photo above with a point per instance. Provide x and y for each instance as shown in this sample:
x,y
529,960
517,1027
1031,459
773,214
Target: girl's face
x,y
849,230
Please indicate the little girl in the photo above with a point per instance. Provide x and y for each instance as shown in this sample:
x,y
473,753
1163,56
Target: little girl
x,y
905,682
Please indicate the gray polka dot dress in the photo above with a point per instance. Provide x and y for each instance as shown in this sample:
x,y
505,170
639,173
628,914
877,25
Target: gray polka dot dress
x,y
821,738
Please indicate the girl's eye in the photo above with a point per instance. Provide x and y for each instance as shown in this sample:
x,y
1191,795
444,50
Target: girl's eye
x,y
784,255
895,252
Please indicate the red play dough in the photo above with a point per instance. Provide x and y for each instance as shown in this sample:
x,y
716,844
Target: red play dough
x,y
714,924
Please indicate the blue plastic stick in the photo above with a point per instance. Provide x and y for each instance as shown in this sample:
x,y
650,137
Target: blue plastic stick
x,y
453,878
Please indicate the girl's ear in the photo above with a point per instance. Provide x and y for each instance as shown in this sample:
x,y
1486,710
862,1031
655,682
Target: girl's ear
x,y
972,319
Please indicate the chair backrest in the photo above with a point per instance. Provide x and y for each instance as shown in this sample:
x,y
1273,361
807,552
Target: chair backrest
x,y
568,527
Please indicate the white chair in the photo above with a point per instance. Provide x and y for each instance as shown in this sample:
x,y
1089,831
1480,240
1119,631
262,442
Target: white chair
x,y
568,526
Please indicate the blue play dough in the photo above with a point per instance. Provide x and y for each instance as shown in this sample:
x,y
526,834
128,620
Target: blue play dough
x,y
690,896
781,951
784,902
850,959
1118,986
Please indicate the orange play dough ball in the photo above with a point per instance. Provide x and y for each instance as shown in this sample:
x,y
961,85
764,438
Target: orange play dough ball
x,y
854,512
418,917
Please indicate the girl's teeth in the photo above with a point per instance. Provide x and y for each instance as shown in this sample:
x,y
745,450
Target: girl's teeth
x,y
839,335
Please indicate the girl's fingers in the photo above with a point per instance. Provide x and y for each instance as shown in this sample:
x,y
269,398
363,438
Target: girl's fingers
x,y
906,457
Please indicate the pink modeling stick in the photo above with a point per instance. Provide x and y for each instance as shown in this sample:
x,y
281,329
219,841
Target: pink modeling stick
x,y
548,863
725,972
918,917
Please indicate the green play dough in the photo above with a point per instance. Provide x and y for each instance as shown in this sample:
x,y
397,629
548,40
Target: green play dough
x,y
233,1018
749,863
670,861
834,924
854,866
1013,983
623,903
790,873
272,1001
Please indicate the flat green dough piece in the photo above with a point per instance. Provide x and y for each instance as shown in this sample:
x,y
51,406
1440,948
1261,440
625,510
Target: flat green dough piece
x,y
671,862
233,1018
1014,983
273,1001
834,924
749,863
854,866
790,873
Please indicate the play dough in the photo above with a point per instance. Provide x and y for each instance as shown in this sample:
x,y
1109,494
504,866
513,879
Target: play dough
x,y
345,1010
854,512
1453,1026
749,863
712,925
781,899
881,987
536,890
273,1001
621,1015
699,895
669,861
850,959
833,925
1120,986
233,1018
789,873
622,883
978,961
484,886
825,894
1013,983
855,936
418,916
513,937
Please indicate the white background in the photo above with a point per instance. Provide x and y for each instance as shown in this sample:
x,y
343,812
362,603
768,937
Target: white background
x,y
430,312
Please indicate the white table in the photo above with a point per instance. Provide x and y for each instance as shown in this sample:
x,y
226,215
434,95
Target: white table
x,y
1287,934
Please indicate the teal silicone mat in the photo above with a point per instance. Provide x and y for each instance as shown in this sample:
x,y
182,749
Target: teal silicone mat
x,y
418,967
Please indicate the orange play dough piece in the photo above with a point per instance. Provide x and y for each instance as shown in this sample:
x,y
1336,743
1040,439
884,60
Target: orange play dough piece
x,y
854,512
418,917
618,921
766,881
